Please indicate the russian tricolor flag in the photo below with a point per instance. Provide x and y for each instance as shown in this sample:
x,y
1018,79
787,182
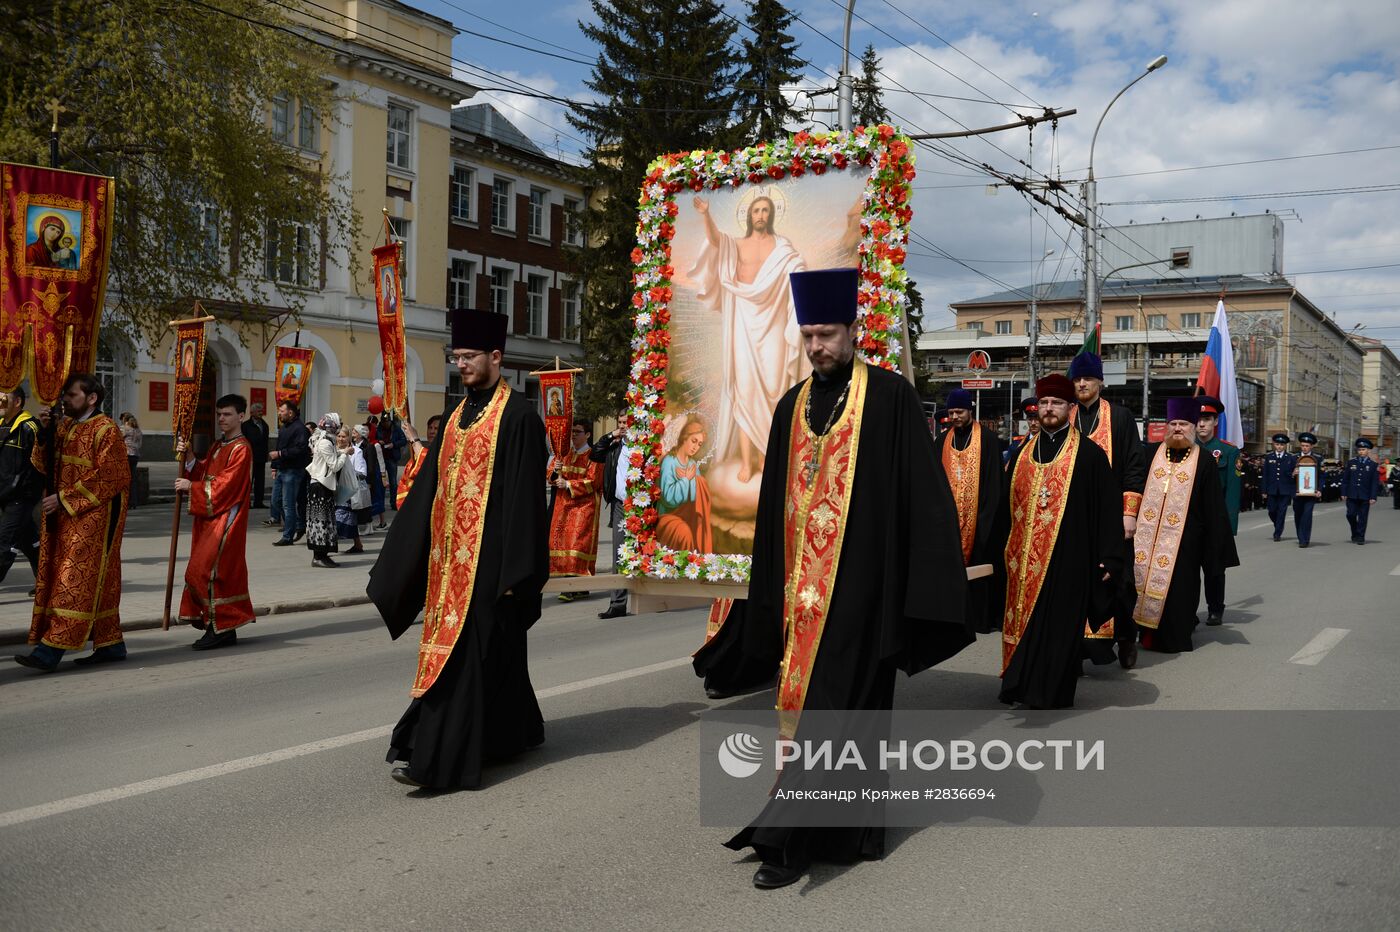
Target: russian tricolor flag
x,y
1217,378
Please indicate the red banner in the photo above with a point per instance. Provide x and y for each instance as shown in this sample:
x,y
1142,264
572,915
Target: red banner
x,y
388,302
557,395
189,375
55,238
293,373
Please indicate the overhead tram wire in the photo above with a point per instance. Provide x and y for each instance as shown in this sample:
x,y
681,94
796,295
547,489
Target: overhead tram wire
x,y
1317,192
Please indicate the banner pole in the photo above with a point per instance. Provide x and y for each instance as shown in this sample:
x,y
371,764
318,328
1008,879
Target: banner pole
x,y
170,569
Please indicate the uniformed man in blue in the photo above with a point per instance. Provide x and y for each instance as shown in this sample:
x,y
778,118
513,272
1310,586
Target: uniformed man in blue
x,y
1303,504
1278,481
1360,487
1227,467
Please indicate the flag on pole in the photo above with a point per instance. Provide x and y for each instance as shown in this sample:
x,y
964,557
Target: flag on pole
x,y
1217,378
1091,340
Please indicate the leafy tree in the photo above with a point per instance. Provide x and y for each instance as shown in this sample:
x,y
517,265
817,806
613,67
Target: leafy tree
x,y
770,62
867,101
173,100
664,83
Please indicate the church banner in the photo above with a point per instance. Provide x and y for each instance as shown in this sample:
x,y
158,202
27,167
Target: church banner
x,y
293,372
557,392
715,342
189,375
388,302
55,239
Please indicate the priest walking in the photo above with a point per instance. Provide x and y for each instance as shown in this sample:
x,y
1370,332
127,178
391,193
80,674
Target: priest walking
x,y
1112,429
1060,538
469,550
857,570
216,597
1183,531
968,458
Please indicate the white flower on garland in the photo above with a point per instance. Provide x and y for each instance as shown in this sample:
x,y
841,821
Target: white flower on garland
x,y
640,499
692,571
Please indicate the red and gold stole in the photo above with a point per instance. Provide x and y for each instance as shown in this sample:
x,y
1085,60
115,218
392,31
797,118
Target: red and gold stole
x,y
466,463
1163,519
1039,496
719,614
963,469
1102,435
817,500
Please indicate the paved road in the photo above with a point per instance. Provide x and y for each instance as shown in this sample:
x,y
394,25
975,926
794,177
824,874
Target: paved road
x,y
246,789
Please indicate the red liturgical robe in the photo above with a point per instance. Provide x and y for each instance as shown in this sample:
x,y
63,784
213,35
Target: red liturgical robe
x,y
573,528
216,580
79,590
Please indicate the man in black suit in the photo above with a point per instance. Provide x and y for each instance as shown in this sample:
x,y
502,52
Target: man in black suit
x,y
255,432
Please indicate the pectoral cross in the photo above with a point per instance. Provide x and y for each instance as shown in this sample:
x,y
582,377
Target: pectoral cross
x,y
812,464
1044,496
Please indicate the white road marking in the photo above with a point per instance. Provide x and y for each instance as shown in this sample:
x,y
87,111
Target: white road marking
x,y
1313,652
1258,527
140,788
1395,572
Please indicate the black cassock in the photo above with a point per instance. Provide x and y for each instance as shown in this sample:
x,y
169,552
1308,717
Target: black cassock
x,y
482,705
979,591
1206,544
1045,667
897,602
1129,472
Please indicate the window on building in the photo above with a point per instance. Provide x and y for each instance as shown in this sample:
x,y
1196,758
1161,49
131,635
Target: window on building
x,y
461,275
1123,322
500,291
288,253
399,150
1181,257
402,230
282,120
308,127
1003,327
573,222
1064,324
463,183
975,325
538,206
502,194
1190,321
536,304
572,306
1156,321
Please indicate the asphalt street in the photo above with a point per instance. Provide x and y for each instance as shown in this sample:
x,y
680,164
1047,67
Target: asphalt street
x,y
247,789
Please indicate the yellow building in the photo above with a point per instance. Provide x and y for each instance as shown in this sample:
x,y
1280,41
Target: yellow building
x,y
391,137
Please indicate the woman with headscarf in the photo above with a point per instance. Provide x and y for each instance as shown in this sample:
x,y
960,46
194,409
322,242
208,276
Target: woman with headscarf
x,y
373,453
347,508
324,472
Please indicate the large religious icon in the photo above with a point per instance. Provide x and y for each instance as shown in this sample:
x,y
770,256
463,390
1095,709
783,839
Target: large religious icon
x,y
55,240
716,342
188,370
291,375
1307,477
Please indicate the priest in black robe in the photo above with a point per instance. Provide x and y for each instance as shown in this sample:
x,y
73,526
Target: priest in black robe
x,y
967,457
1059,554
1170,555
898,590
1113,429
480,705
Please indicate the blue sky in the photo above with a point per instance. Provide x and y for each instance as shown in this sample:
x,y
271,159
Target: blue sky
x,y
1248,80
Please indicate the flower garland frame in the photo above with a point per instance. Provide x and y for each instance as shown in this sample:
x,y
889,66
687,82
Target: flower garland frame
x,y
884,226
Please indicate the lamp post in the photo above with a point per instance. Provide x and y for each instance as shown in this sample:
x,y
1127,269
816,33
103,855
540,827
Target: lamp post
x,y
1033,325
1091,219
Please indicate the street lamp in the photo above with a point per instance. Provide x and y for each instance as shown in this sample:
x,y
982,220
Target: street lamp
x,y
1091,221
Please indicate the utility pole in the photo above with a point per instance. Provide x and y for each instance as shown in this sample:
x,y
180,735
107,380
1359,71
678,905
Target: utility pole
x,y
845,82
1337,416
1146,364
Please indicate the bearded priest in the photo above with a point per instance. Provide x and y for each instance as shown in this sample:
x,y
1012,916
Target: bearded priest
x,y
469,549
1183,529
968,457
1060,541
857,570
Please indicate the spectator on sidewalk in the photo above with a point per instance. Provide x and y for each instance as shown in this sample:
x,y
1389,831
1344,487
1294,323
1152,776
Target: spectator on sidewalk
x,y
292,456
131,436
349,508
394,439
79,589
21,485
216,597
608,451
324,479
373,453
255,432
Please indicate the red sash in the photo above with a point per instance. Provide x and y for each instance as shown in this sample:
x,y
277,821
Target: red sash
x,y
818,497
466,463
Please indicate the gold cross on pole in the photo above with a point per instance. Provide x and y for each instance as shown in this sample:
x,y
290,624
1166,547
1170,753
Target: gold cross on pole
x,y
55,108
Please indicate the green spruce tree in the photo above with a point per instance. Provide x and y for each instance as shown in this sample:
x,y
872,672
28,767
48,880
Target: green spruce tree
x,y
770,62
868,103
664,81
